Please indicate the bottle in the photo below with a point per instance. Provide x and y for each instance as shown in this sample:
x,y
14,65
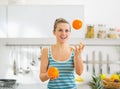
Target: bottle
x,y
101,31
90,31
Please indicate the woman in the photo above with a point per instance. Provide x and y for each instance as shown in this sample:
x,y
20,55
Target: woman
x,y
64,57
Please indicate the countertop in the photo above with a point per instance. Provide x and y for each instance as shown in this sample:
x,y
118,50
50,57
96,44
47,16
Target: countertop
x,y
44,86
31,86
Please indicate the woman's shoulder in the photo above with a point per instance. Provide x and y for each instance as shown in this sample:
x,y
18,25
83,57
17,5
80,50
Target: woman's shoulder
x,y
71,48
44,50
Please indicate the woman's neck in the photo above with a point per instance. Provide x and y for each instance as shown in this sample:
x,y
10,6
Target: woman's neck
x,y
61,47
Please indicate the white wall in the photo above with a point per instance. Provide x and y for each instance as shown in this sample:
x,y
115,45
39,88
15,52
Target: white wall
x,y
3,2
96,11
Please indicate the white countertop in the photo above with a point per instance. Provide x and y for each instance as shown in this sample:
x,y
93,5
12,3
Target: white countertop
x,y
44,86
32,86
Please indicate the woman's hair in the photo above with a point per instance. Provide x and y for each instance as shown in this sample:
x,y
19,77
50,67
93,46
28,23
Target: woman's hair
x,y
60,20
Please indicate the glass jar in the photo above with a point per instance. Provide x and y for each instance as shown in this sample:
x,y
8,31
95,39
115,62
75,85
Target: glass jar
x,y
112,33
101,31
90,31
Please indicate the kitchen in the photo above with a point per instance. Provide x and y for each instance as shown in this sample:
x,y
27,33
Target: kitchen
x,y
28,45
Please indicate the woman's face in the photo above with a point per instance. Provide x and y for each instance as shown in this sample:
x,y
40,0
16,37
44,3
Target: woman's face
x,y
62,32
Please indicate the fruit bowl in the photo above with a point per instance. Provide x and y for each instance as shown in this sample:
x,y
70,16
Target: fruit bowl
x,y
110,84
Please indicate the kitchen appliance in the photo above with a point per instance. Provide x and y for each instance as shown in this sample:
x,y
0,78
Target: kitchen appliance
x,y
8,84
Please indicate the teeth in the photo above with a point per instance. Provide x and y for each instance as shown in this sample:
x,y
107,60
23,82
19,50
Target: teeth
x,y
63,37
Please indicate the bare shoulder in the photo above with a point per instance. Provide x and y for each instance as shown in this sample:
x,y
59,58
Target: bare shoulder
x,y
44,57
44,51
71,48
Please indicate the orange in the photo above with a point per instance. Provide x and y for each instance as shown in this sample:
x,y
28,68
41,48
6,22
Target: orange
x,y
114,77
77,24
53,72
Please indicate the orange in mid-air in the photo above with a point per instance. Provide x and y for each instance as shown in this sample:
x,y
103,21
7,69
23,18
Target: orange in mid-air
x,y
53,72
77,24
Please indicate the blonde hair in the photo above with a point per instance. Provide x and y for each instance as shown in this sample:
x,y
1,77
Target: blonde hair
x,y
60,20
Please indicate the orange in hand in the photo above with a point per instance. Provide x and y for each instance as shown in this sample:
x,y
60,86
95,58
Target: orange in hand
x,y
53,72
77,24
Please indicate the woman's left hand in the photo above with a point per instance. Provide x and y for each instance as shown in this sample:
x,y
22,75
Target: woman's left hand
x,y
78,49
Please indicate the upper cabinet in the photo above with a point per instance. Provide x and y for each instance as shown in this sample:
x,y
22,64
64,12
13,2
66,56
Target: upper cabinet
x,y
3,24
36,21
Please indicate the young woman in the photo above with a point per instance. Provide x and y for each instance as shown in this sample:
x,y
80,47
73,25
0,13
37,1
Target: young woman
x,y
66,58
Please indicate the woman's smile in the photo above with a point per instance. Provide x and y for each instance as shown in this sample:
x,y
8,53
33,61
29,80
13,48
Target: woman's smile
x,y
63,37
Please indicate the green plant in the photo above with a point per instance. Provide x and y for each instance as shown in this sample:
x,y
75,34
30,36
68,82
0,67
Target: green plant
x,y
96,82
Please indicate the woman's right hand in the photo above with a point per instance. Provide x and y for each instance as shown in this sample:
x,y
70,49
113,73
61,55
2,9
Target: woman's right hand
x,y
53,73
52,77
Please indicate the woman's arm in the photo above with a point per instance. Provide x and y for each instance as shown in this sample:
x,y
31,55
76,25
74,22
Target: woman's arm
x,y
78,62
44,65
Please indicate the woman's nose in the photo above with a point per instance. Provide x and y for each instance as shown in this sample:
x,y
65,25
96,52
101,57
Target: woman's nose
x,y
63,32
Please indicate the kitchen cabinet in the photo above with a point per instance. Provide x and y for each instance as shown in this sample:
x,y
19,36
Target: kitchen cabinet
x,y
3,15
36,21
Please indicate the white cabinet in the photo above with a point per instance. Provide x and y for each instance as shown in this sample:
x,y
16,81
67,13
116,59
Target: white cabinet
x,y
36,21
3,24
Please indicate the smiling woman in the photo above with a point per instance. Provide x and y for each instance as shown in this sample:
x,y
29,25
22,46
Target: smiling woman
x,y
63,57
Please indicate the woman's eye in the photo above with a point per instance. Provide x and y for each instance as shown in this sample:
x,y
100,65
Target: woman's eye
x,y
67,30
60,30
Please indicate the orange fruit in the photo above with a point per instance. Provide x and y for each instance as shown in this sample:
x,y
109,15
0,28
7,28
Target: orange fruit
x,y
114,77
77,24
53,72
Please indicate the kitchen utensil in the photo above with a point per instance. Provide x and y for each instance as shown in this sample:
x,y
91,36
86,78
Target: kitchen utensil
x,y
108,66
100,62
93,61
87,68
26,71
40,52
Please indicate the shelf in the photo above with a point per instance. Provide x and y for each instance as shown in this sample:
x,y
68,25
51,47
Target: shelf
x,y
50,41
102,42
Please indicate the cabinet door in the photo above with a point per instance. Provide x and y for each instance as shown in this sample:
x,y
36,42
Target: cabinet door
x,y
3,23
37,21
